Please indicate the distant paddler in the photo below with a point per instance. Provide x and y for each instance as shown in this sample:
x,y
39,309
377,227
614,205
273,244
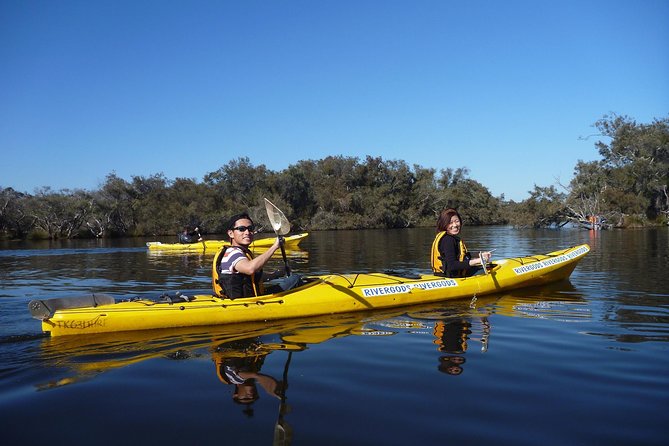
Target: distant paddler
x,y
188,236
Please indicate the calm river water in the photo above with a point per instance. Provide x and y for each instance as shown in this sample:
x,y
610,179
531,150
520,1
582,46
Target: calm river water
x,y
580,362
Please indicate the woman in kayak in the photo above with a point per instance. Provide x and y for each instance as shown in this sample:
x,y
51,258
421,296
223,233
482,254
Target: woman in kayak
x,y
449,254
239,274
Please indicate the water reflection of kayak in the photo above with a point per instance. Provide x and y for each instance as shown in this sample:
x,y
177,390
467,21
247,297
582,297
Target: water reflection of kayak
x,y
87,356
312,295
213,245
84,357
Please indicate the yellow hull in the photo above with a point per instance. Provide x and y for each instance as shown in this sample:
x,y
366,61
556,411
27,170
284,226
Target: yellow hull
x,y
291,252
214,245
326,294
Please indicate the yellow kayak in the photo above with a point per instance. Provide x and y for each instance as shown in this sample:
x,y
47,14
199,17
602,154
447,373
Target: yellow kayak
x,y
313,295
215,245
291,252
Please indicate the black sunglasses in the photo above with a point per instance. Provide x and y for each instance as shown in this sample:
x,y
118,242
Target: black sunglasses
x,y
244,228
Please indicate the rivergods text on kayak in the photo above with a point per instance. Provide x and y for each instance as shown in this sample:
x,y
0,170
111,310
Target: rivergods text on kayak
x,y
406,288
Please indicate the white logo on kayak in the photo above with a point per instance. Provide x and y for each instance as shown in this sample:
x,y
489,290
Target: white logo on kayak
x,y
541,264
407,287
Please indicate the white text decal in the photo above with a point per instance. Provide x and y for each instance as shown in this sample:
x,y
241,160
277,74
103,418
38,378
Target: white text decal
x,y
550,262
406,287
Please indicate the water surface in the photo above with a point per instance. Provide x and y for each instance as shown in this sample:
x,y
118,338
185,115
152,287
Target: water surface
x,y
582,361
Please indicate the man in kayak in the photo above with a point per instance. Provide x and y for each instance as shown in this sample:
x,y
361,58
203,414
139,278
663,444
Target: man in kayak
x,y
239,273
449,254
188,236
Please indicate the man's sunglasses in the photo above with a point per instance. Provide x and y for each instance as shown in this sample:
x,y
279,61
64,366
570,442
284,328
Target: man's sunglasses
x,y
245,228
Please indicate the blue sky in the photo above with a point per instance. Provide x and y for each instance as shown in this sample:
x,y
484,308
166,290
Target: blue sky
x,y
503,88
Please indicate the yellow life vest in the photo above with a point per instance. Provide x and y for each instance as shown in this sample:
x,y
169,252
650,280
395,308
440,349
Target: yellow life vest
x,y
435,258
242,284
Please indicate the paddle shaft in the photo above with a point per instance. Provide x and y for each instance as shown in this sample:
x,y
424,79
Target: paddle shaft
x,y
483,262
283,254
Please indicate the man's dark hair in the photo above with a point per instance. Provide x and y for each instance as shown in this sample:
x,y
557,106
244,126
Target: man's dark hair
x,y
231,223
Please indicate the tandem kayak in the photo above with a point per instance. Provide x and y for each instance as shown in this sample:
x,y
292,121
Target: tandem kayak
x,y
313,295
214,245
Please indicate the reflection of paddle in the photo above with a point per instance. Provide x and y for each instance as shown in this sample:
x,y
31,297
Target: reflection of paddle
x,y
282,431
281,227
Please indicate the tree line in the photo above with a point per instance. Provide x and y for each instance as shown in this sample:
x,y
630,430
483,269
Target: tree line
x,y
627,186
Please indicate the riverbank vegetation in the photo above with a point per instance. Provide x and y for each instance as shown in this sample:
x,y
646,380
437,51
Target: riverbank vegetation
x,y
627,187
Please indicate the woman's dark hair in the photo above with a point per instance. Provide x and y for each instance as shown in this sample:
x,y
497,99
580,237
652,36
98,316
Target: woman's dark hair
x,y
445,218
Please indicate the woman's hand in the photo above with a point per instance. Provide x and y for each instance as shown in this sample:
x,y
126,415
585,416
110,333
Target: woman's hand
x,y
484,256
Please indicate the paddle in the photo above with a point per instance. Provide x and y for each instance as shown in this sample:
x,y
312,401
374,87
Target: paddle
x,y
281,227
199,236
483,262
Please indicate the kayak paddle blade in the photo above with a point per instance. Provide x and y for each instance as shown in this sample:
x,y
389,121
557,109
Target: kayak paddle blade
x,y
277,219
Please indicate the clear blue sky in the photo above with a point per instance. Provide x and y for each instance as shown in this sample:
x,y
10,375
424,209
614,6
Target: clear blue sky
x,y
139,87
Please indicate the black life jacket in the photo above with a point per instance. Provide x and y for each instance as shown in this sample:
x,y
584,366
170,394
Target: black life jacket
x,y
237,285
438,265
